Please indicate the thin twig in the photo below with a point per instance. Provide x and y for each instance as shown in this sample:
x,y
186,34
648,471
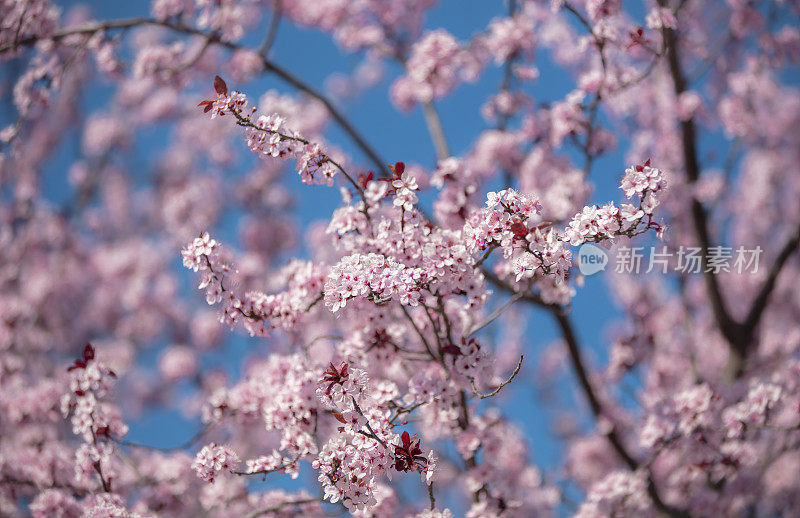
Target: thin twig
x,y
491,318
265,472
434,124
499,387
281,506
486,254
369,427
196,437
419,332
272,32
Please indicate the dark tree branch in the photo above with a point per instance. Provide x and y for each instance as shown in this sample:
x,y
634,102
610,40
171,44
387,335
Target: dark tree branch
x,y
760,302
576,359
688,132
578,366
739,335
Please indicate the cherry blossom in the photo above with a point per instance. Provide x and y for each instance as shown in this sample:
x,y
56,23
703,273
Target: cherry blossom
x,y
394,344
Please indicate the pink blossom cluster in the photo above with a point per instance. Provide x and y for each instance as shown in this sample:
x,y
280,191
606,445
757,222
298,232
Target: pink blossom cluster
x,y
351,463
596,224
213,459
375,277
456,181
94,420
642,181
374,25
25,19
434,68
229,18
257,311
510,36
619,490
505,218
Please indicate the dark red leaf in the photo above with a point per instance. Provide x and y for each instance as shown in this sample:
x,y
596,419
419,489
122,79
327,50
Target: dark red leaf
x,y
452,349
363,179
519,229
88,353
79,364
219,86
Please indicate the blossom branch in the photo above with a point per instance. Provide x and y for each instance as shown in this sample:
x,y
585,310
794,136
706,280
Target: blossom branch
x,y
247,123
738,334
486,254
268,66
730,330
281,467
418,331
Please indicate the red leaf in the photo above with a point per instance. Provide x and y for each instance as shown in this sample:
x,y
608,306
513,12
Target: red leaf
x,y
363,180
219,86
519,229
406,439
88,353
79,364
397,169
452,349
